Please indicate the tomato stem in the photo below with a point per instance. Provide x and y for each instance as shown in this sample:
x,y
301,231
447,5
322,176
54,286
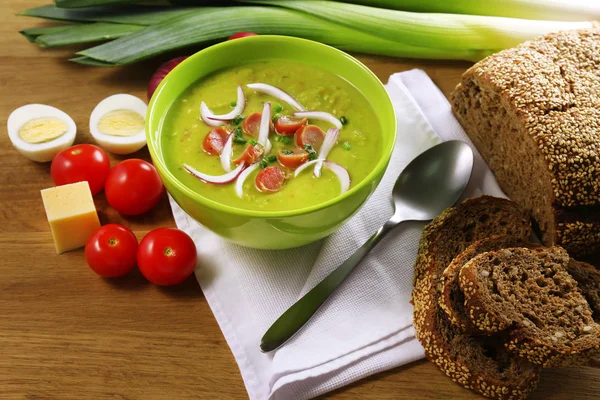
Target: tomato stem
x,y
168,252
112,242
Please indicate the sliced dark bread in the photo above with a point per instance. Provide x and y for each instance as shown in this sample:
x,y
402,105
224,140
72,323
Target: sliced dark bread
x,y
481,364
530,293
452,299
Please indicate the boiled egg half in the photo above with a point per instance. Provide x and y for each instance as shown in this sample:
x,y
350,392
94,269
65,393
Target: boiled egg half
x,y
40,132
118,123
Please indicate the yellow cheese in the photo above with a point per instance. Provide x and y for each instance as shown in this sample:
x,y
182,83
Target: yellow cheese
x,y
72,215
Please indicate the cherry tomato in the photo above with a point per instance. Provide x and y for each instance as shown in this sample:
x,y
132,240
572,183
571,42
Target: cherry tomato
x,y
167,256
241,35
251,124
250,154
214,141
310,134
286,126
270,179
111,251
133,187
82,162
294,160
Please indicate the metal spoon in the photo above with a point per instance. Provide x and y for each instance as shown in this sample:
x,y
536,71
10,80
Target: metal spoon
x,y
431,182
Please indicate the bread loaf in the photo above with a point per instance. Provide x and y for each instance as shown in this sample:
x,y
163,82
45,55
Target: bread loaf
x,y
533,112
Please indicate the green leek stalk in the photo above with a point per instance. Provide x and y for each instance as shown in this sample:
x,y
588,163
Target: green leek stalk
x,y
86,33
441,31
32,33
549,10
209,24
89,3
131,15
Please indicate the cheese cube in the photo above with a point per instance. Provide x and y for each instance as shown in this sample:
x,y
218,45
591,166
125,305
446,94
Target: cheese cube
x,y
72,215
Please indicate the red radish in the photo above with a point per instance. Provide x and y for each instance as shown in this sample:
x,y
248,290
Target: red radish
x,y
216,179
270,179
160,74
250,154
310,134
214,141
286,126
241,35
251,124
293,160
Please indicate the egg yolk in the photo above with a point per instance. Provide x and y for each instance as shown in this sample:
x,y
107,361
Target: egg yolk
x,y
121,123
40,130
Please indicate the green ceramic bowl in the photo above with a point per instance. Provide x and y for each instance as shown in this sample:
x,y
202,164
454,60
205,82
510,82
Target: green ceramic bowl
x,y
261,229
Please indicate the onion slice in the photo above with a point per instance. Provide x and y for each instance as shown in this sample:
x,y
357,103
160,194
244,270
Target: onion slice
x,y
240,105
277,93
206,113
239,184
341,173
216,179
321,116
330,138
225,155
265,127
303,167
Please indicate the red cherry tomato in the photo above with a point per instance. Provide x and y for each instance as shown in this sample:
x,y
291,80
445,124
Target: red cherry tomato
x,y
111,251
294,160
250,154
83,162
286,126
241,35
310,134
167,256
133,187
270,179
251,124
214,141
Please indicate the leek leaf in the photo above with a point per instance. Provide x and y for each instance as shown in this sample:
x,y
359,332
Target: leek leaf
x,y
443,31
89,3
32,33
209,24
91,61
86,33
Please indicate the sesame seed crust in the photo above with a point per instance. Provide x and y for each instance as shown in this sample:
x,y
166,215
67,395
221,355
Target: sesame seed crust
x,y
460,356
539,103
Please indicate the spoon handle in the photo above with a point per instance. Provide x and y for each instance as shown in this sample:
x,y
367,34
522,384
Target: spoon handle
x,y
302,310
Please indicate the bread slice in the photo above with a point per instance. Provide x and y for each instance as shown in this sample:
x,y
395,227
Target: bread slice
x,y
530,293
533,113
452,298
481,364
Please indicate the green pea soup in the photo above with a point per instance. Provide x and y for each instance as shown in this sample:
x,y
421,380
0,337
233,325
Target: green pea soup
x,y
358,146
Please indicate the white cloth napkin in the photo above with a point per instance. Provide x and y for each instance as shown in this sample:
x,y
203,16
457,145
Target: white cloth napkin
x,y
366,326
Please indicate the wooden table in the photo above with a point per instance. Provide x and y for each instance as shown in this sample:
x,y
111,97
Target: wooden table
x,y
66,333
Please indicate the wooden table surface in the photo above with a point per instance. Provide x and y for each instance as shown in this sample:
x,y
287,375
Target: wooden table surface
x,y
66,333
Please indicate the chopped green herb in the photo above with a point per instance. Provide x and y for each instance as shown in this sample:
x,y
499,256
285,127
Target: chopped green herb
x,y
276,117
346,146
343,120
237,120
312,154
286,139
272,158
278,108
287,152
263,163
278,138
253,142
233,104
239,140
237,132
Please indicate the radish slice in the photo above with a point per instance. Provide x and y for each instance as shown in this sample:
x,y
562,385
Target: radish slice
x,y
328,143
206,113
239,184
225,155
216,179
341,173
265,127
240,105
304,166
321,116
277,93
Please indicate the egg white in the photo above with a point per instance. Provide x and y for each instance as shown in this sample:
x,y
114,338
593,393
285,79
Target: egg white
x,y
119,144
40,152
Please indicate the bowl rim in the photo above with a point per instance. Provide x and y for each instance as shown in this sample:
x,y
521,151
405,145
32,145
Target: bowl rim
x,y
213,51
